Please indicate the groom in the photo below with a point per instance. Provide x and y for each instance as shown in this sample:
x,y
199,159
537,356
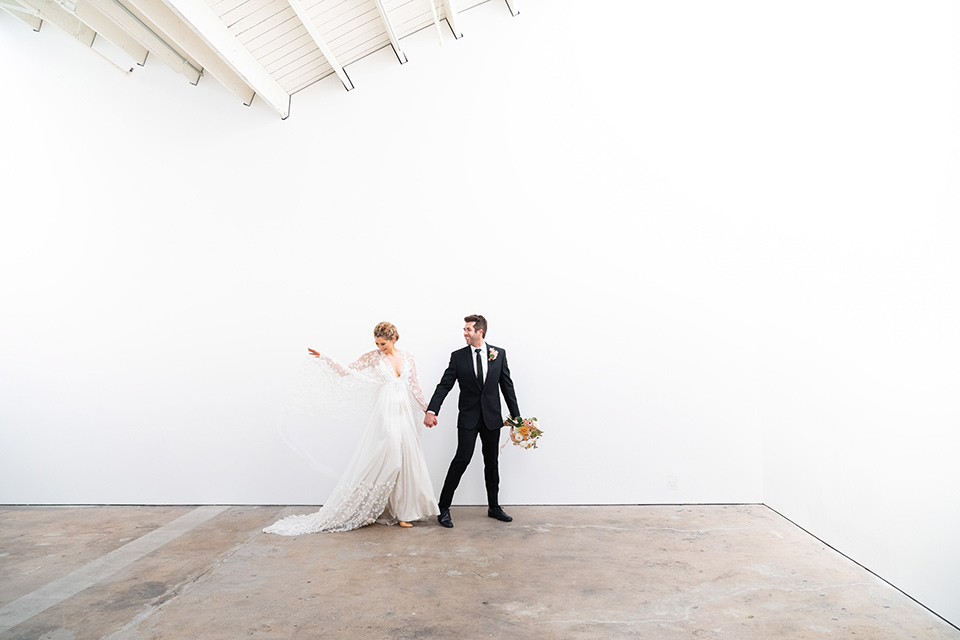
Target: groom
x,y
481,371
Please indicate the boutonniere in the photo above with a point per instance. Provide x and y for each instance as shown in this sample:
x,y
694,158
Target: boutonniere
x,y
493,354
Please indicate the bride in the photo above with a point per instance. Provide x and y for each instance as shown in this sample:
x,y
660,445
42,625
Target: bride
x,y
387,479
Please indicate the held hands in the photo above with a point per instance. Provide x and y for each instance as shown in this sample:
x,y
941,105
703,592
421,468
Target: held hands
x,y
429,420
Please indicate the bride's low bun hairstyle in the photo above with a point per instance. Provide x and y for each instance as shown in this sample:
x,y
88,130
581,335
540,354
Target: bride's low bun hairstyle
x,y
386,331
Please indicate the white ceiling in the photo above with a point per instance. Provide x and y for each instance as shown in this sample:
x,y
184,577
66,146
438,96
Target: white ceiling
x,y
266,48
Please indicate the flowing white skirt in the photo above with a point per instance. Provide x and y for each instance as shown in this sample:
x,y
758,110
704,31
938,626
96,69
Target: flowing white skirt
x,y
387,479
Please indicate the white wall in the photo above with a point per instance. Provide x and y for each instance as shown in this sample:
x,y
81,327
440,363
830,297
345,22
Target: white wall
x,y
861,353
175,253
721,261
861,301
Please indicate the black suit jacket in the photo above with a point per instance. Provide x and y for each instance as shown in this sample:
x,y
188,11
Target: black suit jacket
x,y
474,401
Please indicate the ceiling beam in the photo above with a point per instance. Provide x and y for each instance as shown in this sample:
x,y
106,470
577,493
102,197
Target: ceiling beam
x,y
144,31
450,11
177,31
205,23
321,43
436,21
401,56
104,26
30,16
53,12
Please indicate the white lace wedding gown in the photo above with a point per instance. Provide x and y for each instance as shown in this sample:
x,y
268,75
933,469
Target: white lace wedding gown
x,y
387,479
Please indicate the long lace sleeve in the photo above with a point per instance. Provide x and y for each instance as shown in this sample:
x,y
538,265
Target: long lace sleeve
x,y
366,361
335,366
415,384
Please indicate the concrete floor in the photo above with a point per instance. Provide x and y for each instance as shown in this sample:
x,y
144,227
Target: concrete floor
x,y
659,572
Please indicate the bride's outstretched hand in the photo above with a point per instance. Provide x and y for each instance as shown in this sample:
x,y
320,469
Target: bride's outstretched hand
x,y
315,354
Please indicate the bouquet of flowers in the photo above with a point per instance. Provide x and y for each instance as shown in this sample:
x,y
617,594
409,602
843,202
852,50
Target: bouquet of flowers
x,y
524,432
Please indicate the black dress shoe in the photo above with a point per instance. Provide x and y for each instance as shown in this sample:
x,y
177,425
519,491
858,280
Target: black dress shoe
x,y
499,514
444,519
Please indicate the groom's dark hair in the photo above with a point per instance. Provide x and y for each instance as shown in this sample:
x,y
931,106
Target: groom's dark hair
x,y
479,323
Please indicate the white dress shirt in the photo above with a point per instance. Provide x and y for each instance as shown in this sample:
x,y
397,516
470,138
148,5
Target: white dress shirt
x,y
483,360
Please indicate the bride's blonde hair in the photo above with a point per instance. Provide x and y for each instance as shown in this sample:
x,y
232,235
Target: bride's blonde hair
x,y
386,331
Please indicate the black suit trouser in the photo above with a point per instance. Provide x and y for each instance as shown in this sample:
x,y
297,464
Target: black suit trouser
x,y
466,443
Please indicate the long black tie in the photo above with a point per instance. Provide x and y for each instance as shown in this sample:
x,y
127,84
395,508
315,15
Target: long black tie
x,y
479,368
